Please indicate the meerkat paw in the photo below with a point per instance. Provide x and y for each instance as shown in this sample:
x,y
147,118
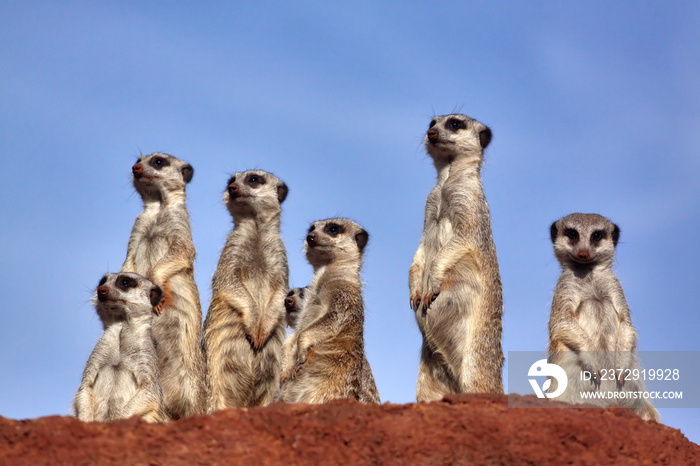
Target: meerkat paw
x,y
620,380
158,308
415,301
429,298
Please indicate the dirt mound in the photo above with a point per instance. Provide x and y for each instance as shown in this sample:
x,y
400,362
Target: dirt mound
x,y
469,429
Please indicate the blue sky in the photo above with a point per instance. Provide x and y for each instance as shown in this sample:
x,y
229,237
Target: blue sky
x,y
594,107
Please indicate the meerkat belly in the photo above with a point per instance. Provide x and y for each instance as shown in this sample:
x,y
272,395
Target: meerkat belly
x,y
118,385
596,316
437,235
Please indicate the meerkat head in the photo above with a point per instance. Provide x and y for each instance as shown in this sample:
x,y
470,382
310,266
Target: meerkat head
x,y
122,296
157,173
334,239
456,136
253,192
584,240
293,304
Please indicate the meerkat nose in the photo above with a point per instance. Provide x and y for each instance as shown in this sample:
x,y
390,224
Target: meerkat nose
x,y
137,170
102,293
233,189
584,255
432,134
311,239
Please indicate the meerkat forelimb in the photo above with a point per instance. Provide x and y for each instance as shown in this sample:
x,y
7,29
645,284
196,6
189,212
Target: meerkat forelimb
x,y
244,327
326,359
590,327
454,282
121,377
161,249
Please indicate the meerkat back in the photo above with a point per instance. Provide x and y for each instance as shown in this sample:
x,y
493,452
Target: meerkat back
x,y
161,249
454,281
590,327
244,327
121,377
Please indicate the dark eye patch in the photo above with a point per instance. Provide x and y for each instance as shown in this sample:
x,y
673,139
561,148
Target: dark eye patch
x,y
432,123
159,162
455,124
124,282
311,228
253,179
103,280
571,234
333,229
231,180
598,235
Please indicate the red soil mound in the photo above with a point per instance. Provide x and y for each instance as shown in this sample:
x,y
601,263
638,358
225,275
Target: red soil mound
x,y
464,429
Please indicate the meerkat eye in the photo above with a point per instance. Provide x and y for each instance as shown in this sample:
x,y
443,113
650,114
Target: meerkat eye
x,y
124,283
333,229
455,124
598,235
571,234
103,280
159,162
255,179
432,123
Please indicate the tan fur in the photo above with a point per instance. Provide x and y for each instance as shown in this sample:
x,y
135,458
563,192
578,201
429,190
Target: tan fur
x,y
454,282
161,249
590,327
244,328
324,357
121,377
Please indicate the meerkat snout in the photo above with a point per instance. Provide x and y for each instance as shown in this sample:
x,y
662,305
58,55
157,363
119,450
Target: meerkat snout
x,y
311,239
233,189
432,134
137,170
102,293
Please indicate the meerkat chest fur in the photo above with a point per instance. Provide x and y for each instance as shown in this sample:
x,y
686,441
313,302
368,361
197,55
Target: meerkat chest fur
x,y
154,230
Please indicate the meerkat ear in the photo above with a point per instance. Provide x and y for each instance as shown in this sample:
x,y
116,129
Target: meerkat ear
x,y
485,137
187,173
282,191
361,239
156,296
553,232
615,234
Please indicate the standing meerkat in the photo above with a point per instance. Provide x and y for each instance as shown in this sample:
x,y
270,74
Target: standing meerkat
x,y
244,328
121,376
161,249
590,328
454,282
325,356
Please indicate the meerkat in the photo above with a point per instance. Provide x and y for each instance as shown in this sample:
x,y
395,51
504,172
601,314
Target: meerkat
x,y
161,249
325,357
590,327
244,328
454,281
121,377
293,304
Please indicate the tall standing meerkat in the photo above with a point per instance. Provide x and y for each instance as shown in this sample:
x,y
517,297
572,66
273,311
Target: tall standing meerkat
x,y
590,328
454,281
325,356
121,377
161,249
244,328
